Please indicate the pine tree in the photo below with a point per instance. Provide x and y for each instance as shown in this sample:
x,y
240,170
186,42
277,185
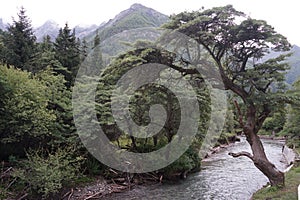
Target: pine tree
x,y
67,52
20,43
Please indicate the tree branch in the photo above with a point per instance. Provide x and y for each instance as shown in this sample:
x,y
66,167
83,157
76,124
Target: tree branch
x,y
184,70
227,82
239,112
243,153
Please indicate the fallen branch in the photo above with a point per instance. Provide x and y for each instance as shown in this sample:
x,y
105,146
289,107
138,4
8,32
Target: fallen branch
x,y
243,153
3,174
22,197
154,176
10,184
94,195
71,193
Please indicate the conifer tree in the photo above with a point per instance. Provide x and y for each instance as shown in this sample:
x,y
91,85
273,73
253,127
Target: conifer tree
x,y
46,56
67,52
20,43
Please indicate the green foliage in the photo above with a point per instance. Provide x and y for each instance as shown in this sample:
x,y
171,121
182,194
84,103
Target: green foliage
x,y
276,121
46,173
291,128
59,103
3,192
187,162
24,115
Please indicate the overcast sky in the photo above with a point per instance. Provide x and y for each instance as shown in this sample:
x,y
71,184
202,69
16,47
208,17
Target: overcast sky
x,y
283,15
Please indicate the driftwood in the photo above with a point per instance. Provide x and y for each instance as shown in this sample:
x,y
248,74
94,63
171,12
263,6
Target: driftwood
x,y
23,196
94,196
96,192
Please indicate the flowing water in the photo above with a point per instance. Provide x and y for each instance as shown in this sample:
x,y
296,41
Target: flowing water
x,y
221,178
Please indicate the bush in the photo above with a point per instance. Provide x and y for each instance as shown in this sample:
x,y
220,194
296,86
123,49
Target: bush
x,y
188,162
46,173
25,120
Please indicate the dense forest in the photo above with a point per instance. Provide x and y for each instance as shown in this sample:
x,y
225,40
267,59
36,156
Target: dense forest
x,y
41,150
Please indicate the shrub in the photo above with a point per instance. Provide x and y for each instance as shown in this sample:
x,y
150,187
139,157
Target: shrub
x,y
46,173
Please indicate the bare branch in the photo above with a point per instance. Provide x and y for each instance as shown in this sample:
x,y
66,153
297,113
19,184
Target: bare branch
x,y
184,70
242,153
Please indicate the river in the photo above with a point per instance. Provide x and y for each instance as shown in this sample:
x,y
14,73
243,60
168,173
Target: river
x,y
221,178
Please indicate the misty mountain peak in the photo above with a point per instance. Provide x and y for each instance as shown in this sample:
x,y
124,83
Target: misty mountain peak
x,y
137,6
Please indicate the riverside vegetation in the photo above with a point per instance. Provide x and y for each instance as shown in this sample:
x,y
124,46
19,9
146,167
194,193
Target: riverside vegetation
x,y
43,157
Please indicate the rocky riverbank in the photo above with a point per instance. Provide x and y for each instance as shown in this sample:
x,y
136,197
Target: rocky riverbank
x,y
102,187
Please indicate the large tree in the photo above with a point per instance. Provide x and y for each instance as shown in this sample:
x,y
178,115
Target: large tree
x,y
236,44
19,43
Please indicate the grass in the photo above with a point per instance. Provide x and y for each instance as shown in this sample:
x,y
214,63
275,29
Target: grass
x,y
289,192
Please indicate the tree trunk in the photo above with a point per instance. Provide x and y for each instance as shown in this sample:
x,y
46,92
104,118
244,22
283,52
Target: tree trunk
x,y
259,157
133,144
261,161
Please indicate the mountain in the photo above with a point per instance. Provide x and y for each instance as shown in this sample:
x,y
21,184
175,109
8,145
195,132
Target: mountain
x,y
294,61
50,28
137,16
82,31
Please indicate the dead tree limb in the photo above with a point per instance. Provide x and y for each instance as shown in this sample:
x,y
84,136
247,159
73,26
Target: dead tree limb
x,y
243,153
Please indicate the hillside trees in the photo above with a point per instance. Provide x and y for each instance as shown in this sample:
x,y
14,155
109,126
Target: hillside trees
x,y
236,49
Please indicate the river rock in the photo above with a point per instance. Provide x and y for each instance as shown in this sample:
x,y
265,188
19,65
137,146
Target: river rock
x,y
288,154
